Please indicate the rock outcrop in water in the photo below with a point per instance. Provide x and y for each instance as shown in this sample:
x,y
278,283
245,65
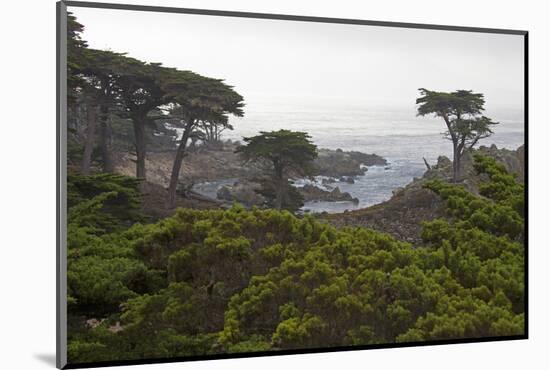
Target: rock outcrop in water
x,y
338,163
246,193
314,193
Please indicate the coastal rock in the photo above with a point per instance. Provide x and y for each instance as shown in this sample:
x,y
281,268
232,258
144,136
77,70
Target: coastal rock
x,y
347,179
513,160
154,201
314,193
328,181
213,162
367,159
225,193
444,162
202,163
243,192
339,163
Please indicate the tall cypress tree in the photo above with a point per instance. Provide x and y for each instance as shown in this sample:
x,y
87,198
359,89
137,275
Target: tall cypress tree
x,y
462,112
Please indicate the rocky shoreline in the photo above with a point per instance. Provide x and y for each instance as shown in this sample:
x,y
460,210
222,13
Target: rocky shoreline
x,y
246,193
402,215
220,162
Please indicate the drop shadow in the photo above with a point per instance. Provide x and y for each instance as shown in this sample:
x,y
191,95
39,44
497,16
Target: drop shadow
x,y
47,358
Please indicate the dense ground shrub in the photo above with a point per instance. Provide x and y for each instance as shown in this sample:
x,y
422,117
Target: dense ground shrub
x,y
211,281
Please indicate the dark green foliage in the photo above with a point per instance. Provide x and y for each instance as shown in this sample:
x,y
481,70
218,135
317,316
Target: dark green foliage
x,y
291,199
291,150
500,213
201,97
104,202
503,187
206,282
462,102
103,271
283,154
96,281
75,48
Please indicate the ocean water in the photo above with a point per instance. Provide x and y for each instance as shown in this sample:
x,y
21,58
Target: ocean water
x,y
393,132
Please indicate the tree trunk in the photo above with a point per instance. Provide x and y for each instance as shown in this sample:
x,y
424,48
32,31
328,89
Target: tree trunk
x,y
456,153
278,195
456,163
279,186
174,177
90,139
105,141
139,133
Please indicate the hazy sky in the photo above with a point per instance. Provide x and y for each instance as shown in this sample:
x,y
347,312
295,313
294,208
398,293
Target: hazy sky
x,y
304,61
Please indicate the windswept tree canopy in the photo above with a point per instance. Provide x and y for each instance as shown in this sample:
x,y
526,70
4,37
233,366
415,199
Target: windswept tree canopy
x,y
101,72
202,98
141,86
461,110
290,150
459,103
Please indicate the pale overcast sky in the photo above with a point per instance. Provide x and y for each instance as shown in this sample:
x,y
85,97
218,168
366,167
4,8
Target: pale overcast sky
x,y
304,61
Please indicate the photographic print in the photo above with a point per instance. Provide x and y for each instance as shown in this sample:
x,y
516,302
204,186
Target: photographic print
x,y
239,185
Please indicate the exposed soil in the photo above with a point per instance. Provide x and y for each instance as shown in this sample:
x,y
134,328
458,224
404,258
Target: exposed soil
x,y
155,196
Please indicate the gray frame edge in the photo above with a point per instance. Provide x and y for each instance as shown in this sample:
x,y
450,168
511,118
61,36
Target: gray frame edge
x,y
287,17
61,189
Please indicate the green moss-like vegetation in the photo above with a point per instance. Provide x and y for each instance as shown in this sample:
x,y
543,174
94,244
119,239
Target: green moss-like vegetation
x,y
210,281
